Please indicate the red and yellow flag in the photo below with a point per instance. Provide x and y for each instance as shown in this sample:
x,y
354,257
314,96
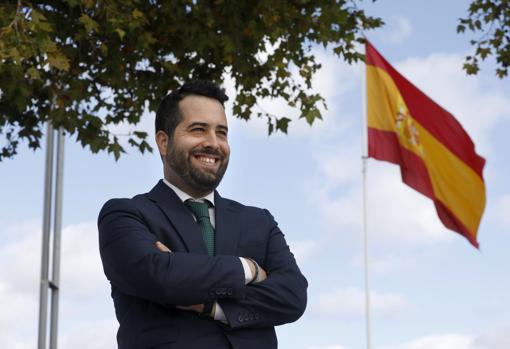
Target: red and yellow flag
x,y
435,154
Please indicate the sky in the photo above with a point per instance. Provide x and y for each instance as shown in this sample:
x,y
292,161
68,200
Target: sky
x,y
430,289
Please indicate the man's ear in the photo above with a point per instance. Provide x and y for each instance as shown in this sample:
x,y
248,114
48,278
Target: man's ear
x,y
162,142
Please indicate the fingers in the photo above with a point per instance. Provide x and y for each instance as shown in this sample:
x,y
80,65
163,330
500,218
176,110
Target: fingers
x,y
262,275
258,273
162,247
253,266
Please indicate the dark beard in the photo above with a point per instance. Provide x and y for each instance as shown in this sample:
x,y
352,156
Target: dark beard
x,y
195,178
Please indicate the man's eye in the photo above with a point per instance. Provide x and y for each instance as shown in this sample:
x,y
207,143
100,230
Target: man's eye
x,y
197,129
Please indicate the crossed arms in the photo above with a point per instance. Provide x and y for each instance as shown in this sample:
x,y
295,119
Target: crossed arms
x,y
253,274
137,265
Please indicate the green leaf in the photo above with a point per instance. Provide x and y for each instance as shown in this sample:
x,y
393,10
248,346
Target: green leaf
x,y
311,115
137,14
48,46
34,73
89,23
282,124
14,54
58,60
121,33
40,22
116,149
471,68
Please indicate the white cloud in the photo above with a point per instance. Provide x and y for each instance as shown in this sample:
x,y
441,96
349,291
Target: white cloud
x,y
339,167
384,265
444,341
84,289
22,254
304,249
350,303
98,334
332,81
82,272
17,318
399,29
499,208
329,347
494,339
395,212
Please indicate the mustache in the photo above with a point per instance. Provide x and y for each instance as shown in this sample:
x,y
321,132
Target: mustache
x,y
208,151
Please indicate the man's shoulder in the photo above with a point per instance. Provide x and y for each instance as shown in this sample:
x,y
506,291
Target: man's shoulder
x,y
133,205
245,209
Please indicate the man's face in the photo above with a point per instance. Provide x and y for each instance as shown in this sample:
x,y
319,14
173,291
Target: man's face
x,y
197,155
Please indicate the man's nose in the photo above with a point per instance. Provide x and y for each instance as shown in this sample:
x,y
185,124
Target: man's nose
x,y
211,140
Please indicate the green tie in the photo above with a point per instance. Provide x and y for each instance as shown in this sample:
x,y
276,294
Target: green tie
x,y
201,212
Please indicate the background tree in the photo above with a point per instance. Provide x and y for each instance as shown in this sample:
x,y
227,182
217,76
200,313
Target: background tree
x,y
491,18
86,65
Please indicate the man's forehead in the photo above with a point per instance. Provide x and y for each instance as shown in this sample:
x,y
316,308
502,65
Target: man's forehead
x,y
203,110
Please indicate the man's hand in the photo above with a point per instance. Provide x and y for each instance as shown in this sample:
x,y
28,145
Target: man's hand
x,y
162,247
261,275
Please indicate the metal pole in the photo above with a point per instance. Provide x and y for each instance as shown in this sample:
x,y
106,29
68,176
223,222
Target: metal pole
x,y
365,228
43,295
365,239
57,229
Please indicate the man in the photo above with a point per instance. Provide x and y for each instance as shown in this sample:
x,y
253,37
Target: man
x,y
188,268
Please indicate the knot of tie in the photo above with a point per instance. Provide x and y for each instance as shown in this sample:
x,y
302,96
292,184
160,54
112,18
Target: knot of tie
x,y
199,209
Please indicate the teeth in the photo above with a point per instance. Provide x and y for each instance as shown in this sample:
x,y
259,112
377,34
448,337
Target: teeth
x,y
207,160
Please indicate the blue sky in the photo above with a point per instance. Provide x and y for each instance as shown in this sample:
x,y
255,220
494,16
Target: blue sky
x,y
430,288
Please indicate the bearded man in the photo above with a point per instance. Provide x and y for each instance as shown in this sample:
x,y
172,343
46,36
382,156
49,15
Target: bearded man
x,y
188,268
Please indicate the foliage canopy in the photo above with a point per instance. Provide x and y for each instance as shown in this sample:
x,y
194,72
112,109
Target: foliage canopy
x,y
86,65
491,18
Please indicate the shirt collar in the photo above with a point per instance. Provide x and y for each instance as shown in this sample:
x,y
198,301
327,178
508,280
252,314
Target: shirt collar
x,y
185,196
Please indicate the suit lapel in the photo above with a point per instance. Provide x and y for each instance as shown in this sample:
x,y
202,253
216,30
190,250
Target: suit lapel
x,y
228,226
179,217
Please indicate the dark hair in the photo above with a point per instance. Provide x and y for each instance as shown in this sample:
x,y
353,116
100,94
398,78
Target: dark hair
x,y
169,115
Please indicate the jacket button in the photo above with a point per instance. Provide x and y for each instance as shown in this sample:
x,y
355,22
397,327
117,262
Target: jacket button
x,y
240,318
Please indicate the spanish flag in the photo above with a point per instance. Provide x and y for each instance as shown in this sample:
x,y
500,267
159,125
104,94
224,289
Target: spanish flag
x,y
435,154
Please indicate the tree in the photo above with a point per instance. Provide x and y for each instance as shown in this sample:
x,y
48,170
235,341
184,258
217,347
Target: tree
x,y
491,18
86,65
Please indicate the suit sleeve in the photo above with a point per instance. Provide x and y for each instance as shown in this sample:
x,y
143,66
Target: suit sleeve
x,y
133,264
279,299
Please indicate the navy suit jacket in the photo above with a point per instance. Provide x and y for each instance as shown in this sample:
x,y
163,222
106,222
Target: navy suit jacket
x,y
147,284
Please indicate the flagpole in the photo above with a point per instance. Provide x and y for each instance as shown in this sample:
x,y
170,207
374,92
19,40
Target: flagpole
x,y
365,229
45,255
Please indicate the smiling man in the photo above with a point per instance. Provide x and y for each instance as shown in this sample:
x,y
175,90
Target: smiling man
x,y
188,268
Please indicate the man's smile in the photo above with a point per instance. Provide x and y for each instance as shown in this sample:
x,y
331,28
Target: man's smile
x,y
208,161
